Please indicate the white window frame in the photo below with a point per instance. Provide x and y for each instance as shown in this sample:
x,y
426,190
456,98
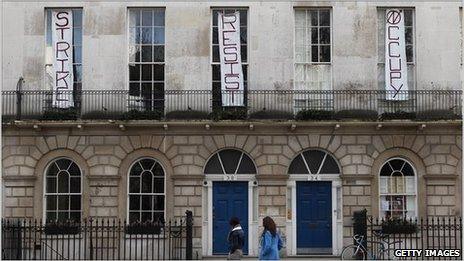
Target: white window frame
x,y
138,100
406,194
144,194
45,194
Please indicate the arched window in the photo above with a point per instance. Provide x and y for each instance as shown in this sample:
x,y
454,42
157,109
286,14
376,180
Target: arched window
x,y
314,162
63,191
230,161
397,189
146,193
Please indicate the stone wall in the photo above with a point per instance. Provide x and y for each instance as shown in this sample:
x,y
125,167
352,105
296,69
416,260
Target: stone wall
x,y
106,152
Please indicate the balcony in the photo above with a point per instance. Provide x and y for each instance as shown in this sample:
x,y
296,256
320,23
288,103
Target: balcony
x,y
367,105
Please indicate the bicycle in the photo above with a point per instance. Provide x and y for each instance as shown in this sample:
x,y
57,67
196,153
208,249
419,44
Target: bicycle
x,y
360,252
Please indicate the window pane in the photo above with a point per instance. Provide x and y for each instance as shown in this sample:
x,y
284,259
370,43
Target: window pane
x,y
325,35
147,35
134,202
75,203
324,18
63,164
158,72
51,185
313,16
314,54
77,36
146,53
147,18
330,166
158,170
134,90
243,35
77,52
77,73
409,53
158,35
51,215
147,72
314,159
63,202
216,53
75,184
147,182
230,159
243,17
63,182
246,166
77,17
136,169
134,72
297,166
243,54
408,18
158,185
314,35
158,216
134,17
325,53
51,202
158,53
159,17
158,202
147,202
134,185
76,216
213,166
408,35
146,216
216,72
215,35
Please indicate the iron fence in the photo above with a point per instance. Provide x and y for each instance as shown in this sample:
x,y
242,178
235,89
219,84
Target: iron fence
x,y
206,104
429,233
97,240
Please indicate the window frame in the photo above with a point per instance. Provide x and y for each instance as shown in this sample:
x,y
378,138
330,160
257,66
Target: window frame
x,y
308,9
45,193
140,98
321,164
128,193
405,194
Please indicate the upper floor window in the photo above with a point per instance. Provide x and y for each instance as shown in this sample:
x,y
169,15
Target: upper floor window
x,y
63,191
146,193
215,59
146,58
397,189
76,48
409,31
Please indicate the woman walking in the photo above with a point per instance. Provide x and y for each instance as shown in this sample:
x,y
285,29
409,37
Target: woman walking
x,y
271,243
236,239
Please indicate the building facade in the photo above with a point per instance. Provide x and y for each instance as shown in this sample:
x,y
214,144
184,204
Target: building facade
x,y
149,139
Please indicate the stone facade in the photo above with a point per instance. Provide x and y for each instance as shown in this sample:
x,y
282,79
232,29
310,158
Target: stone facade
x,y
105,154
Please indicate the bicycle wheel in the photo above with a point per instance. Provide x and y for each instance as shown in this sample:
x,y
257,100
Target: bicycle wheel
x,y
352,252
388,254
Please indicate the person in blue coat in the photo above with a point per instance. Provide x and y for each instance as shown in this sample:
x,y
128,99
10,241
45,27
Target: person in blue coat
x,y
271,242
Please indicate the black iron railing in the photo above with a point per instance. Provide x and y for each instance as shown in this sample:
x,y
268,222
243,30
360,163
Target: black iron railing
x,y
97,240
428,233
254,104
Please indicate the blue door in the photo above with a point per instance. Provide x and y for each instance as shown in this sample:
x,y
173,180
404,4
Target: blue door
x,y
314,217
229,199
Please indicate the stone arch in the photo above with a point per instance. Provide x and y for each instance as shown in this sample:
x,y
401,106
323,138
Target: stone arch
x,y
125,168
419,167
40,169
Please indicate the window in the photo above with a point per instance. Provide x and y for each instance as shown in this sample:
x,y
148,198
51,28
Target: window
x,y
409,42
397,189
63,191
215,62
146,58
77,49
314,162
230,161
312,57
146,195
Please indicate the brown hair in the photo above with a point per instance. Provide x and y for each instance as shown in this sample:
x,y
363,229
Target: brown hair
x,y
269,225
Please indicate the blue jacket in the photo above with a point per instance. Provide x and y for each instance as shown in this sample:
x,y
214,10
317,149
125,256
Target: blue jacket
x,y
270,246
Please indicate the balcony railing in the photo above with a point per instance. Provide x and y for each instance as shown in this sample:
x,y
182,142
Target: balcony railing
x,y
207,104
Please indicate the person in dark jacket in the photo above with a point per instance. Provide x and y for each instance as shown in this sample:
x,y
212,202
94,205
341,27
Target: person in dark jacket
x,y
236,239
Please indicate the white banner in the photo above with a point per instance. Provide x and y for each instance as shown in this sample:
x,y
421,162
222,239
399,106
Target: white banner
x,y
396,71
231,63
62,39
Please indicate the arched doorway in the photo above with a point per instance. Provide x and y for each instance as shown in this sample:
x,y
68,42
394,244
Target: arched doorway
x,y
315,226
229,191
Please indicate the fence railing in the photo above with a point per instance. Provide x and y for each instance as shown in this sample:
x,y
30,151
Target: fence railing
x,y
208,104
97,240
429,233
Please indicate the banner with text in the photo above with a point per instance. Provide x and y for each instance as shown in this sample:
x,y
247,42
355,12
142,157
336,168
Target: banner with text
x,y
232,87
396,71
62,45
